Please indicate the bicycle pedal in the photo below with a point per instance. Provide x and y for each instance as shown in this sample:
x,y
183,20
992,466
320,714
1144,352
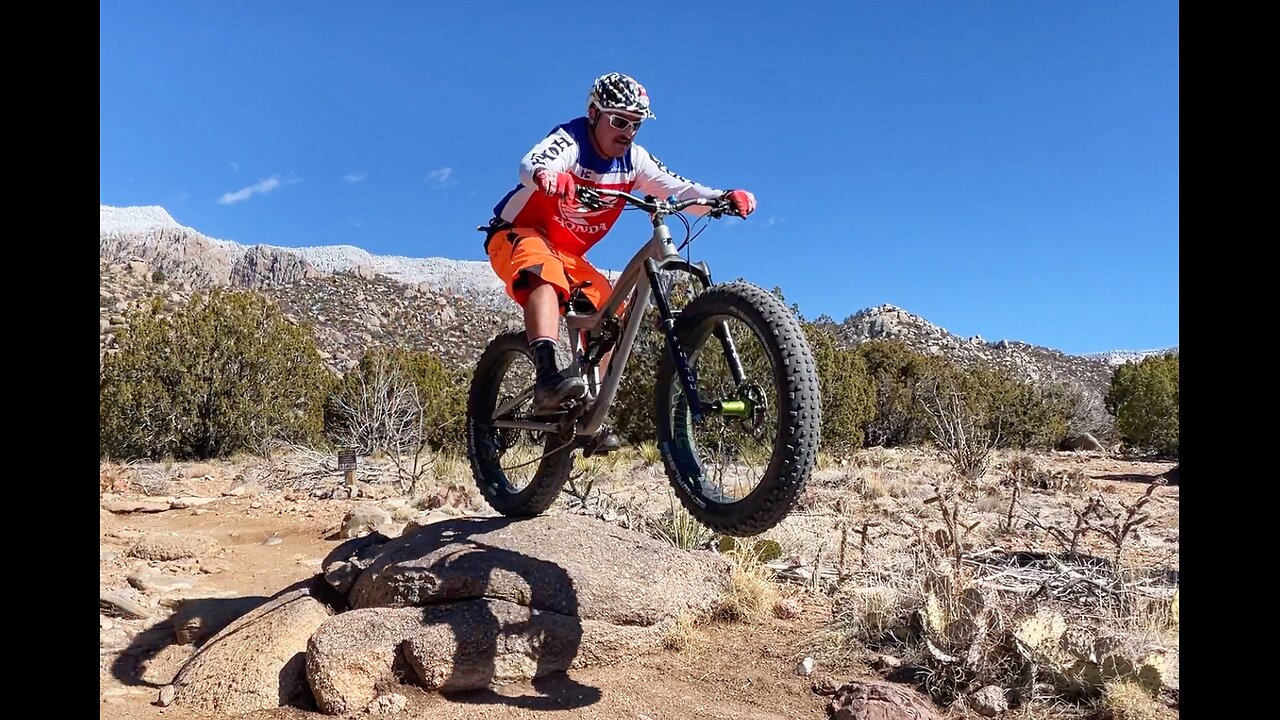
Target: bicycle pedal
x,y
602,443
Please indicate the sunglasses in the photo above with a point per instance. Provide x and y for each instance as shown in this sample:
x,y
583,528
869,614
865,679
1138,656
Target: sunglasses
x,y
618,122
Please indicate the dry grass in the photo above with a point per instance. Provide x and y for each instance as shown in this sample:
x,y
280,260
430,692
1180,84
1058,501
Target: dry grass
x,y
869,486
873,607
586,472
872,484
678,527
1130,701
615,460
872,612
451,466
681,634
876,458
1023,470
885,604
114,477
752,593
649,453
990,501
826,461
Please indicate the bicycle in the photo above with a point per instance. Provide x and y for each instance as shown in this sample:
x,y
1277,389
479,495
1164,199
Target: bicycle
x,y
746,405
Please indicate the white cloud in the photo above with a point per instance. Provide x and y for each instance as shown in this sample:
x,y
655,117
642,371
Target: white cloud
x,y
441,177
260,187
774,220
234,166
353,178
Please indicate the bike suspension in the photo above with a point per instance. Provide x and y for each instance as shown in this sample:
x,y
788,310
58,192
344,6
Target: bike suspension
x,y
666,320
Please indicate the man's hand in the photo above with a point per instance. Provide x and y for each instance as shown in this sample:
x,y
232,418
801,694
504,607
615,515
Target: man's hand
x,y
556,184
743,202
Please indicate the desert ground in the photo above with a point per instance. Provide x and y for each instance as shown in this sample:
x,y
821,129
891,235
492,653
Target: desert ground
x,y
253,526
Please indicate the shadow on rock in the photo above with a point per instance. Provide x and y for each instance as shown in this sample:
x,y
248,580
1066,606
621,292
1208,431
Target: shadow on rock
x,y
464,615
494,641
154,655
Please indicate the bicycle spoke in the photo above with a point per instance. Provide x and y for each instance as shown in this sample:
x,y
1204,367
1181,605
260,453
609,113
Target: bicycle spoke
x,y
517,451
732,451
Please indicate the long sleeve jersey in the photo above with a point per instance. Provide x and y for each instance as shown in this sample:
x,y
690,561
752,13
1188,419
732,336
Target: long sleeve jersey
x,y
568,226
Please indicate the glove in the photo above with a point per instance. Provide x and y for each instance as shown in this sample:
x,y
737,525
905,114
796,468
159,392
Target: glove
x,y
557,184
743,202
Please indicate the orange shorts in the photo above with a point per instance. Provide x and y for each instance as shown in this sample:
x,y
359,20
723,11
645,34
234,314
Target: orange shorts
x,y
519,250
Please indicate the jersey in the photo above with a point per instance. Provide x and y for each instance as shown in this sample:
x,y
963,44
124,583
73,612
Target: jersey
x,y
569,227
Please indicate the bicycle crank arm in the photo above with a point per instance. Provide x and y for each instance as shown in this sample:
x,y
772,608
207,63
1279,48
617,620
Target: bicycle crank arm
x,y
512,404
527,425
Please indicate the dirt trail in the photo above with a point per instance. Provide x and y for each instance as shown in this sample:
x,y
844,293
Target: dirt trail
x,y
728,670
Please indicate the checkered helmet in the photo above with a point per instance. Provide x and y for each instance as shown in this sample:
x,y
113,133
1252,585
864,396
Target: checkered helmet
x,y
615,91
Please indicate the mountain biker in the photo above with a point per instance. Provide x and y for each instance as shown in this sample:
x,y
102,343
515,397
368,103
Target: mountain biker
x,y
539,233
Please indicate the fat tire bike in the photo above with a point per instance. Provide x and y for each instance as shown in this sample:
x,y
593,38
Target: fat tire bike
x,y
736,401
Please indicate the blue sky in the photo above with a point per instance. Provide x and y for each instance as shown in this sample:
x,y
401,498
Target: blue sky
x,y
1003,168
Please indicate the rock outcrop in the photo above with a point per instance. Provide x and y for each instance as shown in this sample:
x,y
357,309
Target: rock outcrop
x,y
460,604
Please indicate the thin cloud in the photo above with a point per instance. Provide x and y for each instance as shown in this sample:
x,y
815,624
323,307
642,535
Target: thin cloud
x,y
774,220
258,188
234,166
441,177
353,178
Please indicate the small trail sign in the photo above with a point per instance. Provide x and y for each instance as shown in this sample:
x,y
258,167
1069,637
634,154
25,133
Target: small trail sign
x,y
347,464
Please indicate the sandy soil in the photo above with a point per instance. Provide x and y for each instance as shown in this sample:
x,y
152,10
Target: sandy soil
x,y
266,534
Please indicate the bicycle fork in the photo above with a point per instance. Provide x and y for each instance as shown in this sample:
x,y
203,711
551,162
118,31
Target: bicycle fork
x,y
689,376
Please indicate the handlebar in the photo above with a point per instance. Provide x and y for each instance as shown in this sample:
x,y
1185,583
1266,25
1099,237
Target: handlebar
x,y
591,197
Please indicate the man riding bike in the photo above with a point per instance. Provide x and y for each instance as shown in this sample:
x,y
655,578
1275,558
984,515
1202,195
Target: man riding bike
x,y
540,233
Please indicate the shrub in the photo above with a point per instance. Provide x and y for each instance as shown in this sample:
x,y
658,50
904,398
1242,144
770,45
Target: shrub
x,y
632,413
224,373
848,398
1143,397
1027,415
895,371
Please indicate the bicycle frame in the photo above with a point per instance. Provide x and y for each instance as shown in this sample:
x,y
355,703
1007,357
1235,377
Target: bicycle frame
x,y
659,254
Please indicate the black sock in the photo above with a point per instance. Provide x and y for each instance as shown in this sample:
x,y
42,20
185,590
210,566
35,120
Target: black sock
x,y
544,357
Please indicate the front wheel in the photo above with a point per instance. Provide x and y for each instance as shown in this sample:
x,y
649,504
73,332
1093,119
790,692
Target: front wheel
x,y
519,472
740,469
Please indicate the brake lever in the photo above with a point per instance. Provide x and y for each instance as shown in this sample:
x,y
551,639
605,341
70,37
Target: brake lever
x,y
721,209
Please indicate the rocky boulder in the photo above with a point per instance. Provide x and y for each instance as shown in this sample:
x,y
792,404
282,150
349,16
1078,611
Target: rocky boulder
x,y
459,604
255,663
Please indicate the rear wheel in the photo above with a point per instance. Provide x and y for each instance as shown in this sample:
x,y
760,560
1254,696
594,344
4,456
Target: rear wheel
x,y
519,472
740,469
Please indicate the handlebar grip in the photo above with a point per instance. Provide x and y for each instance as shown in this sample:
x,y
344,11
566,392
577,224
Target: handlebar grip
x,y
589,197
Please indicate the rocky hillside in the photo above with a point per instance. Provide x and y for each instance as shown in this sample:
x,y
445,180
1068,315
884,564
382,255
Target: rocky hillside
x,y
354,300
348,313
1029,362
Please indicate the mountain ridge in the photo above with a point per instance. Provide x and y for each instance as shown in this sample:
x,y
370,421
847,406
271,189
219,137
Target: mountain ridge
x,y
353,301
447,274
